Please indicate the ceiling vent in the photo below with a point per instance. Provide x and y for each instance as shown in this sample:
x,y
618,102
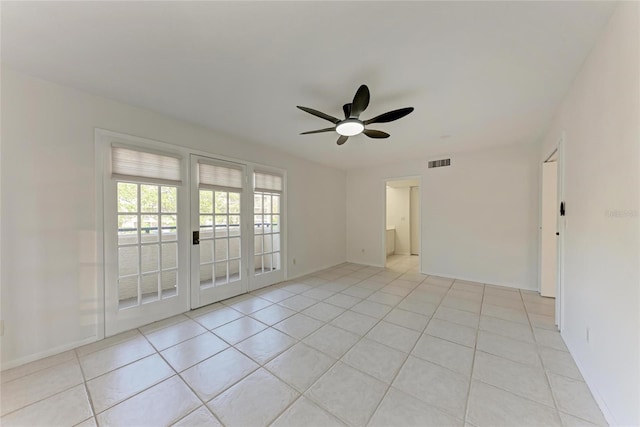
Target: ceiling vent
x,y
439,163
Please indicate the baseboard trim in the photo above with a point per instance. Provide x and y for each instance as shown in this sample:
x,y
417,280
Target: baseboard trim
x,y
602,404
50,352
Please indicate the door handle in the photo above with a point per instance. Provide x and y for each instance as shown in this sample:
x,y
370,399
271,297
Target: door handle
x,y
196,237
557,233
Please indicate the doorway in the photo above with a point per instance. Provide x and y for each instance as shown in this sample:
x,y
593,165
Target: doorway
x,y
402,223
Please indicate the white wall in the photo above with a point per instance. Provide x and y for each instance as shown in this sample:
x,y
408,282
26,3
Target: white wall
x,y
600,118
479,217
398,216
49,228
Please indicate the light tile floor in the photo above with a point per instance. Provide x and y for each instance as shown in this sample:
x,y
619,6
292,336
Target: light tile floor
x,y
351,345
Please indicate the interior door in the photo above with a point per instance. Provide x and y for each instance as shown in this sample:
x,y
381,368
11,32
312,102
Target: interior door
x,y
219,220
549,258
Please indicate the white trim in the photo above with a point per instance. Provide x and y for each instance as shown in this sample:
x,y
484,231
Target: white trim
x,y
561,227
608,414
50,352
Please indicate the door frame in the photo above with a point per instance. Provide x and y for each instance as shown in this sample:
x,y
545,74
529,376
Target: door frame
x,y
384,215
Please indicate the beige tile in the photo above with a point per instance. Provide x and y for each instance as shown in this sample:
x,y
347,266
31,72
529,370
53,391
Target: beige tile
x,y
551,339
303,412
318,294
401,409
297,302
355,322
515,330
273,295
39,385
460,317
385,298
298,326
462,304
161,324
89,422
574,398
218,317
195,350
342,300
505,313
434,385
265,345
174,334
118,385
396,290
372,309
162,404
500,301
421,307
296,288
541,309
430,296
217,373
201,417
251,304
104,343
239,330
560,362
464,294
110,358
300,366
375,359
526,381
264,394
348,394
508,348
323,311
38,365
67,408
331,340
571,421
445,353
395,336
452,332
492,407
408,319
357,292
543,322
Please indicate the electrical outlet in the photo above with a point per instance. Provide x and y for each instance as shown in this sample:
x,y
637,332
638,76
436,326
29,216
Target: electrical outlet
x,y
294,261
587,334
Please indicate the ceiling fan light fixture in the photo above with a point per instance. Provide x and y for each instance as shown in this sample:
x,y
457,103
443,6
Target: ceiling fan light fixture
x,y
350,127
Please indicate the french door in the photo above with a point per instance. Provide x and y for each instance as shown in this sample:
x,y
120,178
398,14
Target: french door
x,y
146,264
219,218
183,230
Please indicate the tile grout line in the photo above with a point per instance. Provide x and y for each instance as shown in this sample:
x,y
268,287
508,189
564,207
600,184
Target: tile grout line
x,y
473,360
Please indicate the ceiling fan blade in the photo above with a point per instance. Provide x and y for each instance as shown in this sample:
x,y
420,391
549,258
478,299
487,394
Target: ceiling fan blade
x,y
318,131
342,139
375,133
347,110
319,114
390,116
360,101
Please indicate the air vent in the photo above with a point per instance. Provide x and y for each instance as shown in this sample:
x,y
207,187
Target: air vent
x,y
439,163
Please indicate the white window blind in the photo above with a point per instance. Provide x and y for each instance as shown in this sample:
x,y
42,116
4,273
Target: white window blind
x,y
268,182
211,175
127,163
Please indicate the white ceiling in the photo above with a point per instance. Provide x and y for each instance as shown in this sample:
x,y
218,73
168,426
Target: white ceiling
x,y
478,73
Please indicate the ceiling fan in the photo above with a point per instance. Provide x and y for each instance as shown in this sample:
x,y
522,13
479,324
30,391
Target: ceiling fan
x,y
352,125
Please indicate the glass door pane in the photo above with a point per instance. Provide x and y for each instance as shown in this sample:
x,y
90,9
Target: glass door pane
x,y
220,254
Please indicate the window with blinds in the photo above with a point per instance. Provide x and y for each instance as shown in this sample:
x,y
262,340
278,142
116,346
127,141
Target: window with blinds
x,y
267,182
130,164
212,175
